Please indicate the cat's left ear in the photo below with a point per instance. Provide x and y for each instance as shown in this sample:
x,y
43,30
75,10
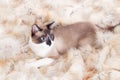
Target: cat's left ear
x,y
51,25
35,28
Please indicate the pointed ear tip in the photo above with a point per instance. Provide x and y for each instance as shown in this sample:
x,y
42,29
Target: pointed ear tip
x,y
34,25
50,24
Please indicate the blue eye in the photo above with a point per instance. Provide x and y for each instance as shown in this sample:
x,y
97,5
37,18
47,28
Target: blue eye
x,y
42,39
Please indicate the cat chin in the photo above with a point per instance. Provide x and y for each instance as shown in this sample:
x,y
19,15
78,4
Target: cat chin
x,y
41,49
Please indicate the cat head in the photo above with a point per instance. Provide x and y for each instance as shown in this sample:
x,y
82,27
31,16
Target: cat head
x,y
41,34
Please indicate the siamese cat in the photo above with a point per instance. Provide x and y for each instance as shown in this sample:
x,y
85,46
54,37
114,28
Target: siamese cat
x,y
50,41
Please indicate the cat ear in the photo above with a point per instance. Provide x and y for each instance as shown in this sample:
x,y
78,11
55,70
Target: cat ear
x,y
50,25
35,28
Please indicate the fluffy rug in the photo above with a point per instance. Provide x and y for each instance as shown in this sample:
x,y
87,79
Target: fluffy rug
x,y
85,63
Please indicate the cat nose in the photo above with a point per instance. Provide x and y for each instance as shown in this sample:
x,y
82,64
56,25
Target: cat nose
x,y
48,42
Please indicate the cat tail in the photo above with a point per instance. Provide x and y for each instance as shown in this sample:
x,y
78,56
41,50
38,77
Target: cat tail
x,y
107,28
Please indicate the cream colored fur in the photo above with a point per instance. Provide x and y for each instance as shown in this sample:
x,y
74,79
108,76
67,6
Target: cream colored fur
x,y
86,63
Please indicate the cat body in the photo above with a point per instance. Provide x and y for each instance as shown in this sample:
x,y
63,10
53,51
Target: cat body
x,y
59,40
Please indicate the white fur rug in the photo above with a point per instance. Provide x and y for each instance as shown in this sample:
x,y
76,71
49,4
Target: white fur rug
x,y
86,63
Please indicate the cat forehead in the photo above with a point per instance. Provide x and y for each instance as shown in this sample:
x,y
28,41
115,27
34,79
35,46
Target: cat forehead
x,y
44,31
39,33
43,27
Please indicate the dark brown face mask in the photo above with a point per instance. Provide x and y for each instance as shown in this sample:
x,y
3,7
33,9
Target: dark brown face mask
x,y
49,37
40,35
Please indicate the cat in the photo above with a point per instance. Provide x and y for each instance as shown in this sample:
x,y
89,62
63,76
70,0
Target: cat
x,y
49,41
54,41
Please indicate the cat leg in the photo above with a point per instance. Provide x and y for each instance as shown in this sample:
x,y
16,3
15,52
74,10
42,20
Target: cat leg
x,y
39,63
53,54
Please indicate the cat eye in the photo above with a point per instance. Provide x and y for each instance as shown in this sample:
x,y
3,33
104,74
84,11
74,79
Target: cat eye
x,y
42,39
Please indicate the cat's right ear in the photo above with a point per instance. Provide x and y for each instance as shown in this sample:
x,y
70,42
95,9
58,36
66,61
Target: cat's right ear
x,y
35,28
51,25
